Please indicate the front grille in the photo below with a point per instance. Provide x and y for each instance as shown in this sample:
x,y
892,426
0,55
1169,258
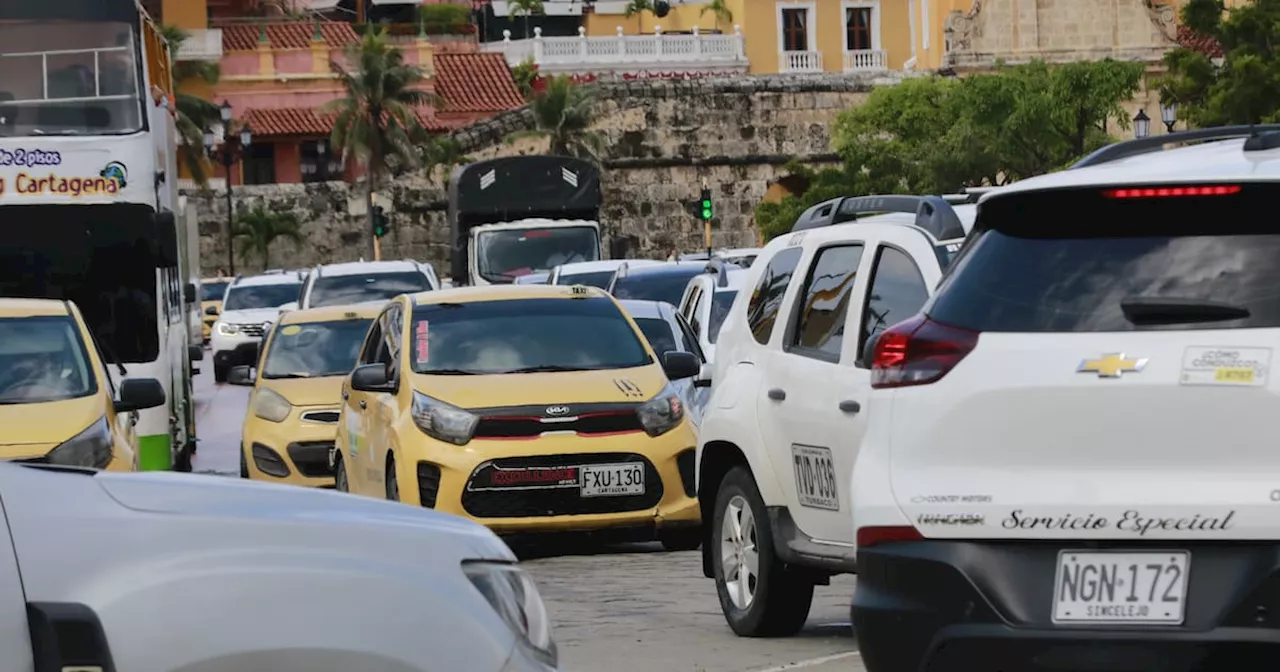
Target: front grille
x,y
515,422
254,330
311,458
686,463
326,417
557,494
269,461
428,484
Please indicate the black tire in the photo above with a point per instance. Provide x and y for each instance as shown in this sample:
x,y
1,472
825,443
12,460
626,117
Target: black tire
x,y
220,373
681,539
244,464
340,482
393,483
780,602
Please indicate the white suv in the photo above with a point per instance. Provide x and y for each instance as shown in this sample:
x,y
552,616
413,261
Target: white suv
x,y
364,282
1069,458
782,428
707,300
249,308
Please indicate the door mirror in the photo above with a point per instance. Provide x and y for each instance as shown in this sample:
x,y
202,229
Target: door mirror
x,y
704,377
371,378
137,394
211,310
679,365
195,353
241,375
292,305
189,292
869,351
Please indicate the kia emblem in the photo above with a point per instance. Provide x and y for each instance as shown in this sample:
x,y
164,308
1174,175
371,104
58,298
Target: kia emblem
x,y
557,410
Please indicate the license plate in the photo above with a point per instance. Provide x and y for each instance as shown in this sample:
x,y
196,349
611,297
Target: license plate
x,y
612,480
815,477
1121,587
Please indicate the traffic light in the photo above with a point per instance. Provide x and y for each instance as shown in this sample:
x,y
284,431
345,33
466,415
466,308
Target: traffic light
x,y
706,205
380,223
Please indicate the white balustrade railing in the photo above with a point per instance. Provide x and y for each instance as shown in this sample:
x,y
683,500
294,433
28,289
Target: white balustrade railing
x,y
201,45
801,61
861,60
656,50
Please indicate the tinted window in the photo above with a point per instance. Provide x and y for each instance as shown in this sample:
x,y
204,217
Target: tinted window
x,y
897,292
259,296
721,302
524,335
339,290
659,334
667,286
594,279
314,349
766,300
822,311
213,291
43,359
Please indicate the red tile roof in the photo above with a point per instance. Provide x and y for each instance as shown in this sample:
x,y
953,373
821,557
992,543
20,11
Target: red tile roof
x,y
1201,43
286,35
311,122
475,83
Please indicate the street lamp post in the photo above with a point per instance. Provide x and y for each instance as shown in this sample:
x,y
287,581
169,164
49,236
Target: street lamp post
x,y
228,153
1141,124
1169,115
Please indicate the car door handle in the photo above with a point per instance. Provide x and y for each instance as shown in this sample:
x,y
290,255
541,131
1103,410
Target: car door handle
x,y
777,394
363,404
850,406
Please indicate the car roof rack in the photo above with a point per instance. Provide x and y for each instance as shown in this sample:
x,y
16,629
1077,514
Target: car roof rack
x,y
933,213
1262,133
721,268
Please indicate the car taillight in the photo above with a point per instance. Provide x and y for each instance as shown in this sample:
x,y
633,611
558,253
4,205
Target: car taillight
x,y
918,351
870,536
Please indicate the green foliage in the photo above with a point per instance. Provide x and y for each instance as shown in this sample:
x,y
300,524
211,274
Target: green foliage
x,y
258,228
525,73
1245,88
445,18
194,113
562,114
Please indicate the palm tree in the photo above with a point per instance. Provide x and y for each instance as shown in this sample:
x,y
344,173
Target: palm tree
x,y
377,121
719,10
562,114
194,113
637,8
524,8
442,155
259,227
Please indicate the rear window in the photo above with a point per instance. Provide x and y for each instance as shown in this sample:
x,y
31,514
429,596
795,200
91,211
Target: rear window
x,y
1080,261
339,290
524,336
667,287
594,279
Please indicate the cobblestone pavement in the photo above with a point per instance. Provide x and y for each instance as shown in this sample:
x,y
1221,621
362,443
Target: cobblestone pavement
x,y
619,609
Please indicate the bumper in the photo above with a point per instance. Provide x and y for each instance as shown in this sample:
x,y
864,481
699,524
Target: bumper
x,y
956,605
292,452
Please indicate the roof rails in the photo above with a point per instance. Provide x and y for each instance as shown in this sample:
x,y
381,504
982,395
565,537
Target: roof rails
x,y
933,213
1156,143
721,268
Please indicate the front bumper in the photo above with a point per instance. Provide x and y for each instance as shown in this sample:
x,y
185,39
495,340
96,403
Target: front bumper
x,y
294,452
939,606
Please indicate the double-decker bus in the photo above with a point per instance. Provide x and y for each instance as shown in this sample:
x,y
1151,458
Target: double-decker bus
x,y
88,192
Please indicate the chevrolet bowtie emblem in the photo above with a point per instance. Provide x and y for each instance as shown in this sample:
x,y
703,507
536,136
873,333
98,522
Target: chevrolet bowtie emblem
x,y
1112,365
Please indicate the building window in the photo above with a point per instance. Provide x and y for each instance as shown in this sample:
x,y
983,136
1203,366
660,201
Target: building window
x,y
795,29
318,163
857,28
260,163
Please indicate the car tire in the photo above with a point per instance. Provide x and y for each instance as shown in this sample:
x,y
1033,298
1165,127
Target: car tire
x,y
682,539
220,373
772,603
340,482
393,484
244,464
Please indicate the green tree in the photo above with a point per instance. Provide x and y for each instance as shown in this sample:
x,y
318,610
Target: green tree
x,y
562,114
524,8
720,10
194,113
377,121
1244,88
259,227
637,8
440,156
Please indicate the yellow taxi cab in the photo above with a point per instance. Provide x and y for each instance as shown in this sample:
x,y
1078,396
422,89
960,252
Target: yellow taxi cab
x,y
211,292
528,408
297,386
58,403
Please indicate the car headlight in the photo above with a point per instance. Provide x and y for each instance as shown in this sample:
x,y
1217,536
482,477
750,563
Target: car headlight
x,y
90,448
443,421
662,413
271,405
512,594
227,329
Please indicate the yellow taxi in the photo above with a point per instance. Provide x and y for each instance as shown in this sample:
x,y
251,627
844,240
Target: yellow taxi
x,y
528,408
297,386
58,404
211,292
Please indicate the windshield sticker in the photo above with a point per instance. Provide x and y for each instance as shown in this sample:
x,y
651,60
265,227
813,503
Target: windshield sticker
x,y
293,330
1226,366
421,339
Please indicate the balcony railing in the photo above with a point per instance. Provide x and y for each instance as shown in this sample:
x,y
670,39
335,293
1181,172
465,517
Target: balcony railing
x,y
801,61
695,50
201,45
865,60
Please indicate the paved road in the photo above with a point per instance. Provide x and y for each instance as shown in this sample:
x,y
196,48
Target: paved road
x,y
621,609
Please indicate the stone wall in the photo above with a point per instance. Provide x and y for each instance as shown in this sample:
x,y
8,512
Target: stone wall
x,y
663,137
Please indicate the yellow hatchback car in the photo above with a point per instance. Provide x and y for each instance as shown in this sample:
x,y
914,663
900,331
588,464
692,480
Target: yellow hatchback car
x,y
293,409
528,408
211,292
58,404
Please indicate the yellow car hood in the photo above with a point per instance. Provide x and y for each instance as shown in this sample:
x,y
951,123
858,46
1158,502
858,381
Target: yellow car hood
x,y
519,389
325,391
48,423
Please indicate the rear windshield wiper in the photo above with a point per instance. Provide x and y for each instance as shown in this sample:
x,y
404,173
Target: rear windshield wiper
x,y
545,368
1144,311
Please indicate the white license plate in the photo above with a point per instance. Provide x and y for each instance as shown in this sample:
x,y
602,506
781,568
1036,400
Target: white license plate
x,y
612,480
1121,587
815,477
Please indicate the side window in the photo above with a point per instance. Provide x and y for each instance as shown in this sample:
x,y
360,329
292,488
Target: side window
x,y
372,343
821,312
766,300
897,292
690,337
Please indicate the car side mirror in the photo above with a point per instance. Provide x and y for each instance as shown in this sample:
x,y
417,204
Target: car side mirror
x,y
241,375
138,394
869,351
371,378
189,292
195,353
704,377
292,305
679,365
211,310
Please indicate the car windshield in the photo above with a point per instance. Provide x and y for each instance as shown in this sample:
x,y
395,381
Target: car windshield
x,y
667,286
721,302
260,296
339,290
523,336
506,255
593,278
213,291
659,334
43,359
315,349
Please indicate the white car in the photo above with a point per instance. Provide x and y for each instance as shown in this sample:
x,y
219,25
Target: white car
x,y
1069,456
593,273
364,282
249,308
707,300
667,331
258,576
789,380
